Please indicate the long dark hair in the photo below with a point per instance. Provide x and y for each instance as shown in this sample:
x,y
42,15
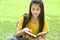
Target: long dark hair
x,y
41,15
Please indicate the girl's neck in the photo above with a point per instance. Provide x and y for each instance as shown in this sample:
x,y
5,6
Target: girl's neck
x,y
34,19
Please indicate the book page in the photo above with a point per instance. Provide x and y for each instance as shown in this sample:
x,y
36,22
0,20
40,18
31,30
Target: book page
x,y
41,33
30,34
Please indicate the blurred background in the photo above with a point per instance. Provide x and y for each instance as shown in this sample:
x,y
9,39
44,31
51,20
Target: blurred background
x,y
12,10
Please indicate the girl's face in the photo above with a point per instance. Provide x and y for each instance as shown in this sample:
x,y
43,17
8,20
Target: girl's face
x,y
35,10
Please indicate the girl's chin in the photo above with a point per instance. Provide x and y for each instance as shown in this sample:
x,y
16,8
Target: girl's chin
x,y
35,16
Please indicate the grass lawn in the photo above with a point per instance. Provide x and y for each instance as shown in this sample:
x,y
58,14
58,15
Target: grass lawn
x,y
11,10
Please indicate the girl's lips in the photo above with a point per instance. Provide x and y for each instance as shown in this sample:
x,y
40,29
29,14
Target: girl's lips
x,y
35,13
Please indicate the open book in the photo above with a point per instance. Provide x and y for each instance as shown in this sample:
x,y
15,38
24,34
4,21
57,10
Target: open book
x,y
41,33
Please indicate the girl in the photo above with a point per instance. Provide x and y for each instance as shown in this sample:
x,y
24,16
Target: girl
x,y
35,22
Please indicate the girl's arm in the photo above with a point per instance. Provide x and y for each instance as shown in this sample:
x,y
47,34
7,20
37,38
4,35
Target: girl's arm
x,y
18,32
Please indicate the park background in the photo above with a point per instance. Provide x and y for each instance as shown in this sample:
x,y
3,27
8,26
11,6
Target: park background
x,y
12,10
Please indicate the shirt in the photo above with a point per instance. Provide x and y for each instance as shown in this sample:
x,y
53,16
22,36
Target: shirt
x,y
33,26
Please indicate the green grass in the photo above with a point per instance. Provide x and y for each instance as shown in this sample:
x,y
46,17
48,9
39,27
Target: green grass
x,y
11,10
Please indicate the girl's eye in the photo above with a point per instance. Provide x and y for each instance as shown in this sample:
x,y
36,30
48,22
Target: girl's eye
x,y
33,9
37,9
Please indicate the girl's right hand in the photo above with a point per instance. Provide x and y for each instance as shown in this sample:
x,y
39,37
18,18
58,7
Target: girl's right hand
x,y
27,29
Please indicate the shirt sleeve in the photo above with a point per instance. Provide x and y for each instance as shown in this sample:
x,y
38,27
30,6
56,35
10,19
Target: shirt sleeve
x,y
46,28
20,23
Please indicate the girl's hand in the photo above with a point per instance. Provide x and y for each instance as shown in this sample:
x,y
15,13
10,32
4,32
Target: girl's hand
x,y
43,37
27,29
